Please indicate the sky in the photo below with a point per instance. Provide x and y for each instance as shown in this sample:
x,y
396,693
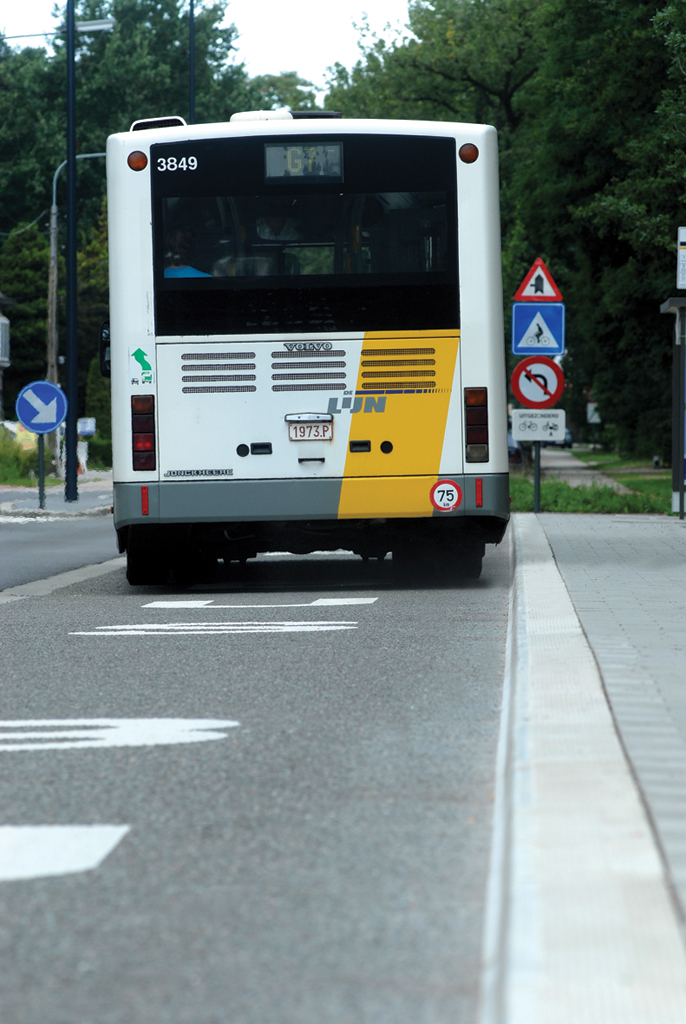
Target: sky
x,y
306,36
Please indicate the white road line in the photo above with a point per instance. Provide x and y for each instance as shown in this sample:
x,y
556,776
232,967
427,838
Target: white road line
x,y
43,851
85,733
321,602
213,628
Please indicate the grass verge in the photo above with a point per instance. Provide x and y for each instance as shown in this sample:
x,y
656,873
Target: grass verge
x,y
557,496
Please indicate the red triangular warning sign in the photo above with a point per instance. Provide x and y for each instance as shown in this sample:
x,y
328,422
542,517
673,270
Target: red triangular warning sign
x,y
538,285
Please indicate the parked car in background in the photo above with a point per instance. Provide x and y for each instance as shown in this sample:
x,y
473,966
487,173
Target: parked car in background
x,y
515,456
565,443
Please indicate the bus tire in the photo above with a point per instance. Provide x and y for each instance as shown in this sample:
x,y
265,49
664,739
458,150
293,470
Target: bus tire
x,y
470,565
146,568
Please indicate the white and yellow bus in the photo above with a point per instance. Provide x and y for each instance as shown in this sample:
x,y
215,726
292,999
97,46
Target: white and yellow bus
x,y
306,341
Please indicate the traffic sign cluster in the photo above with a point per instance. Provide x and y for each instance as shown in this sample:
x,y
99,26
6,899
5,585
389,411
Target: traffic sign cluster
x,y
538,332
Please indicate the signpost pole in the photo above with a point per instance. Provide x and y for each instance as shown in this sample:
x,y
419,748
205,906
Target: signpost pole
x,y
677,306
41,471
537,476
681,408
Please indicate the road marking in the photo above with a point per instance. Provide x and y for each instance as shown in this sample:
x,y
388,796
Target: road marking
x,y
319,603
212,628
85,733
40,588
177,604
43,851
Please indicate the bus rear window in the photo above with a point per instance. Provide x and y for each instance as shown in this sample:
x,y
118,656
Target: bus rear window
x,y
305,254
289,236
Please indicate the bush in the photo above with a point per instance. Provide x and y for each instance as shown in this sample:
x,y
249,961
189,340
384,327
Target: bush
x,y
99,452
16,464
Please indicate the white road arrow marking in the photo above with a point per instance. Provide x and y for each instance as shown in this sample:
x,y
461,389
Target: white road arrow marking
x,y
46,413
86,733
319,603
42,851
213,628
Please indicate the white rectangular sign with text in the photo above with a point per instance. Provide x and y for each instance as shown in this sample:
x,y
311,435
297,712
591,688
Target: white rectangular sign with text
x,y
538,424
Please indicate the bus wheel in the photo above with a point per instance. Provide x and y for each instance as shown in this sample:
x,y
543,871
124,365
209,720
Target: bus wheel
x,y
146,568
469,565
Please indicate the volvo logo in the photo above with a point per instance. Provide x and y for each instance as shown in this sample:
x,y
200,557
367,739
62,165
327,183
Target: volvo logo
x,y
308,346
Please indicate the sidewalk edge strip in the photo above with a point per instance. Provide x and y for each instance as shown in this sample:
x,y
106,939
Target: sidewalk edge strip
x,y
41,588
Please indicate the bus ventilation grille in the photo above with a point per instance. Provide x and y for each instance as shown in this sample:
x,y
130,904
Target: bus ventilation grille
x,y
217,390
212,368
315,362
384,373
308,387
215,357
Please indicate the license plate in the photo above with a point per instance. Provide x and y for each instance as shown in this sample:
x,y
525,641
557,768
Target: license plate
x,y
310,431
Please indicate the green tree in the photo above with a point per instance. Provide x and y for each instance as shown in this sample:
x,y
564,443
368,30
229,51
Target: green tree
x,y
24,278
592,188
284,90
93,305
138,70
463,61
98,399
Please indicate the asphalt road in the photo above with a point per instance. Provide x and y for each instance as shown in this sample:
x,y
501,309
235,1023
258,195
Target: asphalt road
x,y
322,862
41,547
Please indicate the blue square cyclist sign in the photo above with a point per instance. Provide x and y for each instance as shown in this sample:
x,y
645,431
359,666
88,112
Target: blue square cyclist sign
x,y
538,328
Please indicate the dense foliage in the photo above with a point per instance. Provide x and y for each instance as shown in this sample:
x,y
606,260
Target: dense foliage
x,y
588,97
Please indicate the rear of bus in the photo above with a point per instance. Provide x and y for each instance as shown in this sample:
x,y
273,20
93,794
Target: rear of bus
x,y
306,341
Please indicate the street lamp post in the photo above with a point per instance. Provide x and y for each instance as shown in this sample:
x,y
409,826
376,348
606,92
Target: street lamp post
x,y
71,468
191,75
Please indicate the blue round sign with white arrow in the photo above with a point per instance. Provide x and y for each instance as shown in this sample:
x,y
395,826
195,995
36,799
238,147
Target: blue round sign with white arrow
x,y
41,406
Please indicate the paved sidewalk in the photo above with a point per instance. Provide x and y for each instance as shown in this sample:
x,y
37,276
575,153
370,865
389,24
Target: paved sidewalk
x,y
582,926
626,576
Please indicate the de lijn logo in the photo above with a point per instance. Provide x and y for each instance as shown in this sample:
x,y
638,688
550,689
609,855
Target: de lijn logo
x,y
355,403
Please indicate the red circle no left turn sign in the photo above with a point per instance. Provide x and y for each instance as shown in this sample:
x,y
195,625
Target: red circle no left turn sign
x,y
537,382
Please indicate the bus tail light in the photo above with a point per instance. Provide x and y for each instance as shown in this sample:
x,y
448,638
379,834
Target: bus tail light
x,y
143,432
476,424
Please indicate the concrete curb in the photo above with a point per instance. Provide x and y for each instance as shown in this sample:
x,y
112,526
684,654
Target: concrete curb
x,y
40,588
8,513
579,926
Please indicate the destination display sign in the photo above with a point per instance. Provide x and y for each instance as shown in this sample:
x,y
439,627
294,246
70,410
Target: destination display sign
x,y
323,160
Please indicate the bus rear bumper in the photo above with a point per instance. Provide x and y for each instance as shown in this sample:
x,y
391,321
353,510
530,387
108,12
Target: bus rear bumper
x,y
359,498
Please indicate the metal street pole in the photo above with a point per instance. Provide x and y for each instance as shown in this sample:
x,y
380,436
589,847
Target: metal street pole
x,y
52,339
70,488
70,477
191,84
677,306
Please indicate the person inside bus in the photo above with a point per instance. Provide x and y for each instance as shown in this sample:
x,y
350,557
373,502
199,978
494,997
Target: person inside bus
x,y
179,246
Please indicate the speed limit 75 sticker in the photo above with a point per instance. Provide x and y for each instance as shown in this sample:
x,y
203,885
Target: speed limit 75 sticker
x,y
446,495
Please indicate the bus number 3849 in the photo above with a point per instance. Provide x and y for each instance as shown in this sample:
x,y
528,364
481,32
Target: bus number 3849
x,y
172,164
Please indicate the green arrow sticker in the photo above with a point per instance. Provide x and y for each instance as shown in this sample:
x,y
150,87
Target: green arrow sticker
x,y
141,357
